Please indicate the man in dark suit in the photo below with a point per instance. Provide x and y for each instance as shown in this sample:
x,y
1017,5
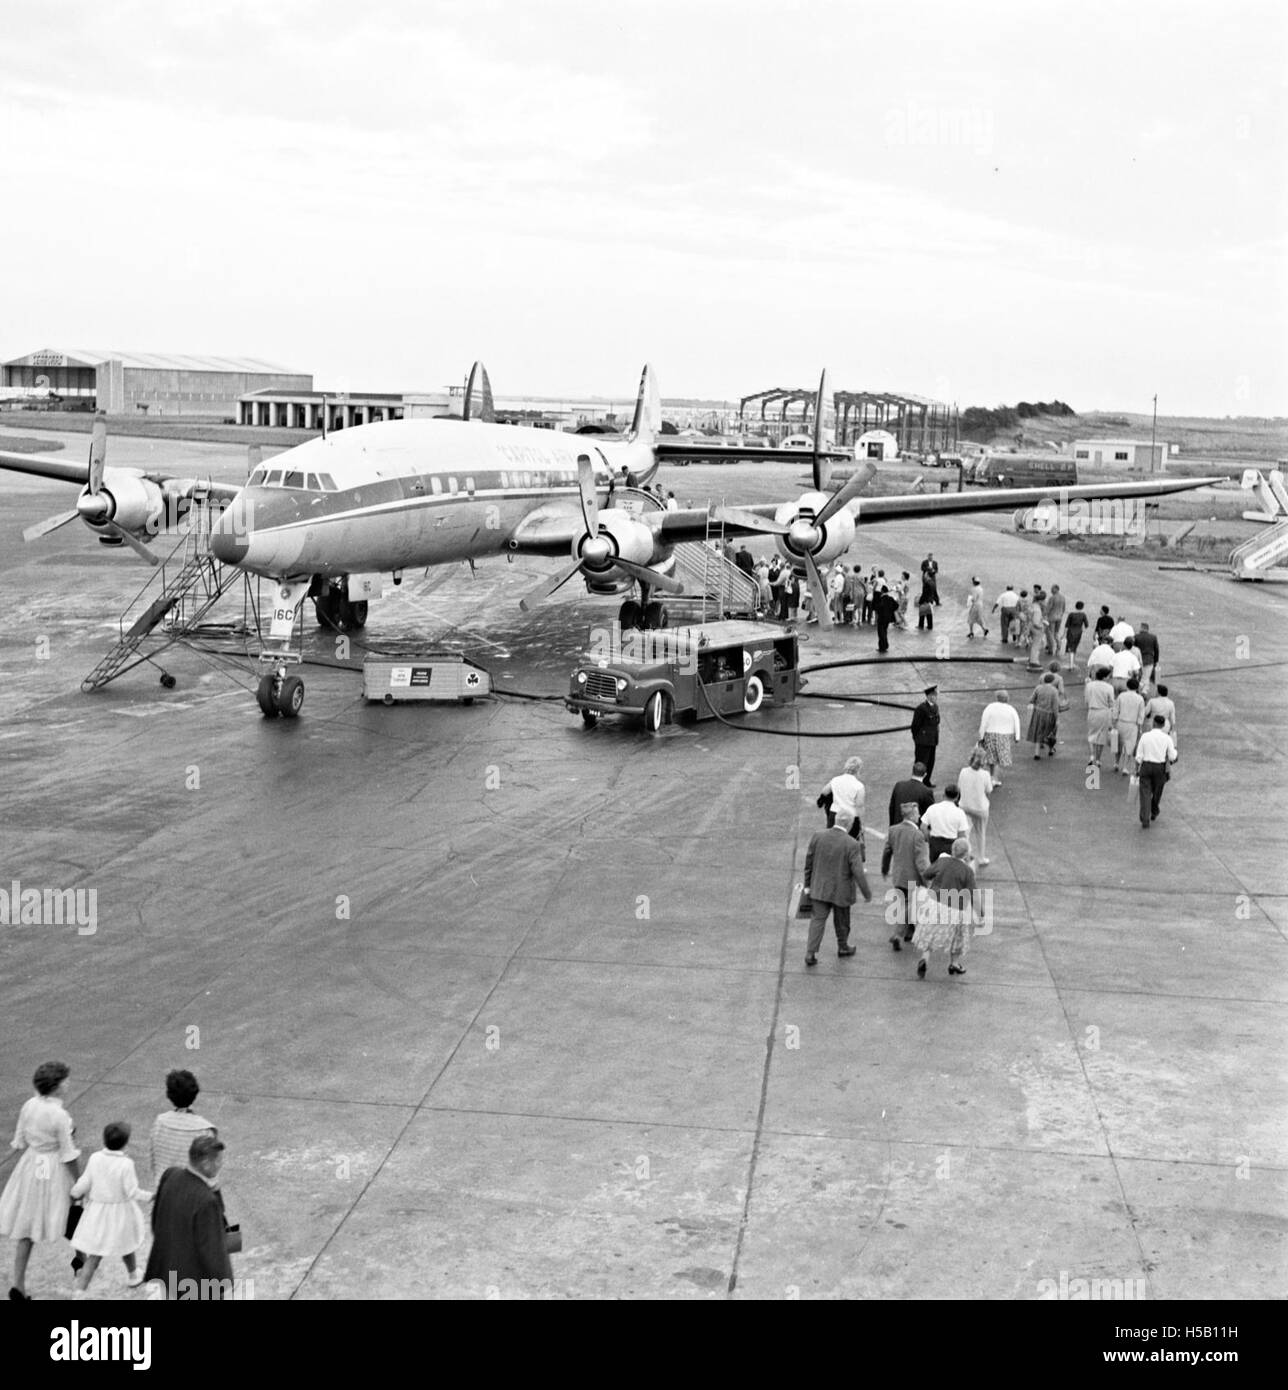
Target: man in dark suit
x,y
189,1245
912,788
833,871
925,731
886,609
743,559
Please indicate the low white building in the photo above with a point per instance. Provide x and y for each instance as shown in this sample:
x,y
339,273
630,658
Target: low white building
x,y
1120,453
877,444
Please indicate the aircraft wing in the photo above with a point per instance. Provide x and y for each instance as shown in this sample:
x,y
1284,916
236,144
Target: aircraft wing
x,y
78,473
694,524
550,530
914,504
46,468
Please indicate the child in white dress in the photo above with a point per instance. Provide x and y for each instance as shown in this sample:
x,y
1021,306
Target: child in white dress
x,y
112,1223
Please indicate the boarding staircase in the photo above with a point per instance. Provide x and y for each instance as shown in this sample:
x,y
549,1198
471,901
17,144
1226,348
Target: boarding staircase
x,y
714,586
1258,557
174,602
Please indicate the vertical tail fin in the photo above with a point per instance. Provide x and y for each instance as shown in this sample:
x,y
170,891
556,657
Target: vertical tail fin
x,y
648,408
478,396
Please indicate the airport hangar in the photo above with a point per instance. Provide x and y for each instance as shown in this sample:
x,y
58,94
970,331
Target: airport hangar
x,y
130,383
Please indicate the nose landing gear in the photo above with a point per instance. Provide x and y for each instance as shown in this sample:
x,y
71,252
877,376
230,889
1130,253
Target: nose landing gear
x,y
279,694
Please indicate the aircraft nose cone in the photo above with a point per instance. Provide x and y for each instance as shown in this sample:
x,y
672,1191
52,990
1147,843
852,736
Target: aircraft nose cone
x,y
229,540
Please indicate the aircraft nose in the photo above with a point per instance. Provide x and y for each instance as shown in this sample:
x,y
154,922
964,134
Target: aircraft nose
x,y
230,536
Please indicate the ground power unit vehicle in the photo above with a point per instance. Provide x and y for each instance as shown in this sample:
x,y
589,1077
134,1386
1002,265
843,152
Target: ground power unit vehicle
x,y
726,668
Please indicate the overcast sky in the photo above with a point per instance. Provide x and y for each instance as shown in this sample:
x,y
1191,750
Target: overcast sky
x,y
981,203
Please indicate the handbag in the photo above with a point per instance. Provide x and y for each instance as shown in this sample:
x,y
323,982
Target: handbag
x,y
232,1239
74,1214
1113,740
1064,703
802,904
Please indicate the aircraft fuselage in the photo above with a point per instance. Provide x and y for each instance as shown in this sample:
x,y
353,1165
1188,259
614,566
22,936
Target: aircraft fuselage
x,y
402,494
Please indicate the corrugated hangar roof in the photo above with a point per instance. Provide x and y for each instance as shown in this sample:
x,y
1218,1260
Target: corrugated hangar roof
x,y
155,361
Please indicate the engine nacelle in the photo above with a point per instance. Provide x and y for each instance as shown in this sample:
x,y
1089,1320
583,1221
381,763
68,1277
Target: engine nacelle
x,y
131,501
825,542
620,536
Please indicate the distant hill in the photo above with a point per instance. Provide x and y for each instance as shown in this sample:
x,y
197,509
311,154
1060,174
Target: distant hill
x,y
1242,441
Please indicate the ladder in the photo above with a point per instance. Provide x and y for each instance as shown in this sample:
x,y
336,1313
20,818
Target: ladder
x,y
713,583
177,597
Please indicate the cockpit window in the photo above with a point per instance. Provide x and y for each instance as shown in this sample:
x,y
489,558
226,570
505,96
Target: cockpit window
x,y
293,479
272,477
313,483
256,478
328,482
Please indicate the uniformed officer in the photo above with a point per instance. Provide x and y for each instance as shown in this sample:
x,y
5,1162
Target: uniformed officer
x,y
925,730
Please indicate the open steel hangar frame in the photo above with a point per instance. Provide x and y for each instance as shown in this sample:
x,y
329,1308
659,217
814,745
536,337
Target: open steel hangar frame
x,y
919,424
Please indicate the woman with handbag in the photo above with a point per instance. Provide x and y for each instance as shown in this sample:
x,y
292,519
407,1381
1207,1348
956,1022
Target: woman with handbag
x,y
1044,715
37,1197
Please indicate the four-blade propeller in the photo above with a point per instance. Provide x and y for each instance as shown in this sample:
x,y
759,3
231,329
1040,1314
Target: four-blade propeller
x,y
93,506
596,552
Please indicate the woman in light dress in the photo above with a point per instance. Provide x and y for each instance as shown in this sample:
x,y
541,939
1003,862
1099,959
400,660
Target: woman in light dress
x,y
113,1220
1099,697
975,609
999,729
975,784
37,1196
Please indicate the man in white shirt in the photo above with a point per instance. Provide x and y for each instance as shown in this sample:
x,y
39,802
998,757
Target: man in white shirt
x,y
1008,601
944,822
1120,632
1101,659
1125,665
1153,753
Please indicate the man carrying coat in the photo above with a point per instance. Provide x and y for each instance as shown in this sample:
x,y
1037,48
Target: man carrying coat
x,y
833,871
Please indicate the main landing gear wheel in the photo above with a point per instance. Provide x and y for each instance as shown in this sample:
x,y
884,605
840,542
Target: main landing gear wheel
x,y
290,697
656,712
589,718
264,694
754,695
655,615
629,615
336,612
282,699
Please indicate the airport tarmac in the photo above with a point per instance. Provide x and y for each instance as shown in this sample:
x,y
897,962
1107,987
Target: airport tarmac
x,y
485,1004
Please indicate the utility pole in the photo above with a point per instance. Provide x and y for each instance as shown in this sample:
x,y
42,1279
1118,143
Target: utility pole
x,y
1153,435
